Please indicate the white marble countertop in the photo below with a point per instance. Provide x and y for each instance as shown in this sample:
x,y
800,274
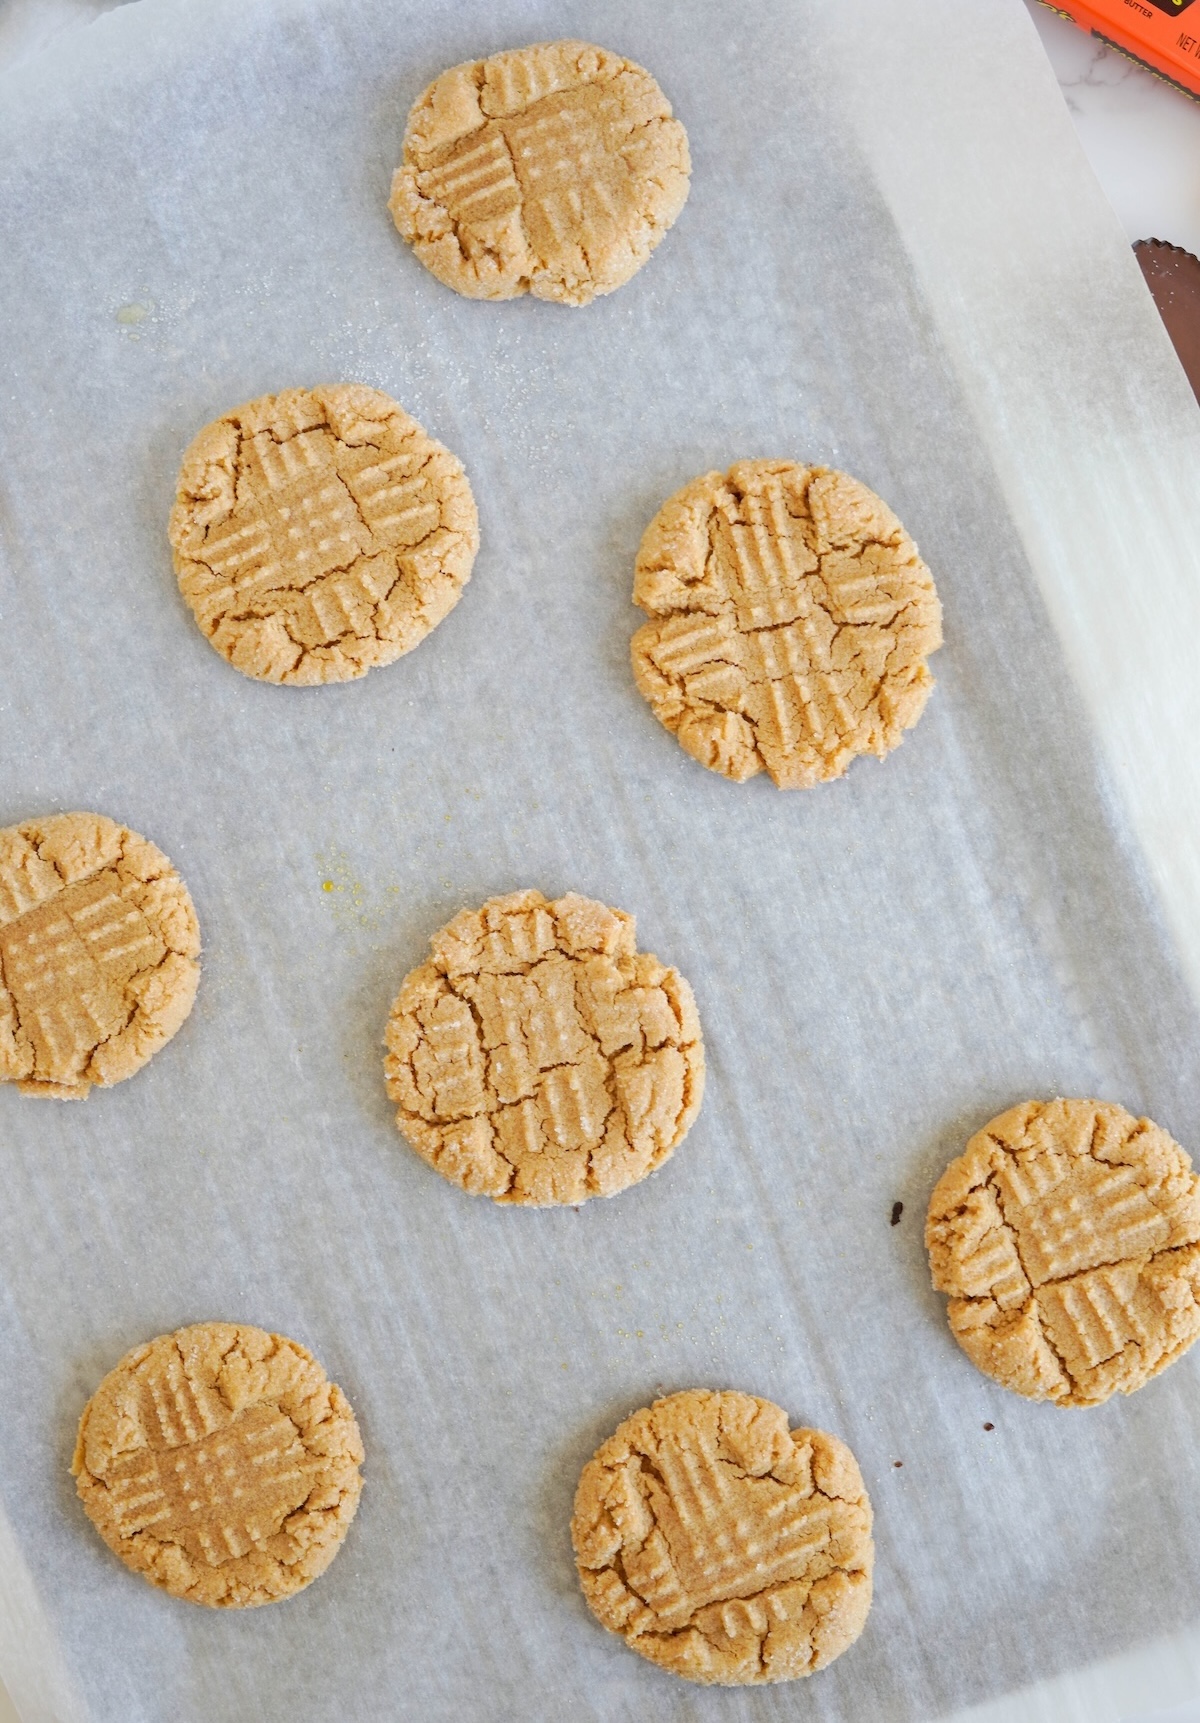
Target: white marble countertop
x,y
1141,136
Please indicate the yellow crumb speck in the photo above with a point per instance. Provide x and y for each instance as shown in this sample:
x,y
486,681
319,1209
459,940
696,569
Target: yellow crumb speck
x,y
328,885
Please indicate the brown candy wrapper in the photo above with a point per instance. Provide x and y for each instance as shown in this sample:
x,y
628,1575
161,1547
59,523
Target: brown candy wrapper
x,y
1173,277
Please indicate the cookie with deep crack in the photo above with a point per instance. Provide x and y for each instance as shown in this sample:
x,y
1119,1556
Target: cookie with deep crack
x,y
539,1057
553,170
320,533
722,1545
99,954
790,620
221,1464
1067,1236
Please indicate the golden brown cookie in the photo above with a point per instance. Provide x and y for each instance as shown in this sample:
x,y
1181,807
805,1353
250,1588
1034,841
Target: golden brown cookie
x,y
790,620
722,1545
221,1463
539,1057
99,954
553,170
319,533
1068,1238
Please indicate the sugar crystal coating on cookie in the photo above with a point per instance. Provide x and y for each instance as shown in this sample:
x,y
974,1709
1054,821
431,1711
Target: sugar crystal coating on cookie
x,y
320,533
1067,1235
722,1545
539,1057
99,954
220,1463
790,621
553,170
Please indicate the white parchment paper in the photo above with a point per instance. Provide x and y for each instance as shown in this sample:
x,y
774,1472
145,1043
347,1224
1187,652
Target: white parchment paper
x,y
193,209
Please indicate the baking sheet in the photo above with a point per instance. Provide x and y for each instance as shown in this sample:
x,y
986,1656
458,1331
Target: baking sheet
x,y
880,964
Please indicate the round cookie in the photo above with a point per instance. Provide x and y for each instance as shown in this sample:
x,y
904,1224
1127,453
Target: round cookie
x,y
539,1057
319,533
722,1545
553,170
790,620
99,954
221,1463
1067,1235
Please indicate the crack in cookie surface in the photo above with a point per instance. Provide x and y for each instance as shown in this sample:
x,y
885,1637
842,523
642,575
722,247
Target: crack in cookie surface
x,y
791,617
722,1545
539,1057
1067,1235
320,533
99,954
553,170
220,1463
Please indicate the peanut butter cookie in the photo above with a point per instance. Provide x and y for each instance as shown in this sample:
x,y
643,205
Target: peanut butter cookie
x,y
221,1463
99,954
539,1057
1067,1235
319,533
553,170
790,621
722,1545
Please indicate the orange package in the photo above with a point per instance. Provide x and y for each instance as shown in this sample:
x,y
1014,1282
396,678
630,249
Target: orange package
x,y
1155,33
